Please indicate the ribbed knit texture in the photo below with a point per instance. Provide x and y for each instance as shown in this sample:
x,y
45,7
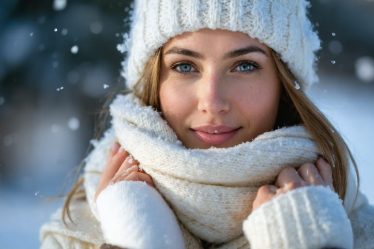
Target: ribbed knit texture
x,y
201,185
305,218
280,24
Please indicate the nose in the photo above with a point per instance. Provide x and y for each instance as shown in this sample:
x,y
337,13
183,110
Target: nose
x,y
212,97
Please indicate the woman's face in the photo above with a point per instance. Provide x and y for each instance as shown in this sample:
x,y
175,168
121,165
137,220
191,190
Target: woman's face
x,y
218,88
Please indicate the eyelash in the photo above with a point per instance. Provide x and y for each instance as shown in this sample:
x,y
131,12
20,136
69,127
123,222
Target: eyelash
x,y
176,65
251,63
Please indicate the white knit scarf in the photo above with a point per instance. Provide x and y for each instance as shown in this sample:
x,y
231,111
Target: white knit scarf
x,y
210,190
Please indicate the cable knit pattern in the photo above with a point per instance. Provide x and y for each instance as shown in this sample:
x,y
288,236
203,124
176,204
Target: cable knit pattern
x,y
280,24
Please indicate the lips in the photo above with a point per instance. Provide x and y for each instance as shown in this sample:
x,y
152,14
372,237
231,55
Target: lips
x,y
214,135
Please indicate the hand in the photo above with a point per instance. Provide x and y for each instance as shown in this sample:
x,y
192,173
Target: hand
x,y
121,167
290,178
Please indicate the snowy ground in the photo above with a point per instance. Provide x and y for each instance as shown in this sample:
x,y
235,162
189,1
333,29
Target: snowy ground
x,y
21,216
350,106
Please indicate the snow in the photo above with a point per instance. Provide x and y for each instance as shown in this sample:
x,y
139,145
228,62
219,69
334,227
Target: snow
x,y
55,128
22,215
64,32
347,102
59,5
73,123
96,27
296,85
365,69
335,47
349,105
74,49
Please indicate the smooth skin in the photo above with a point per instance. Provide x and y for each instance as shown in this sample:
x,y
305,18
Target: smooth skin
x,y
232,82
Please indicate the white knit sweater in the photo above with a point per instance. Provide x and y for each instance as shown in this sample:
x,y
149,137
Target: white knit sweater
x,y
134,215
265,227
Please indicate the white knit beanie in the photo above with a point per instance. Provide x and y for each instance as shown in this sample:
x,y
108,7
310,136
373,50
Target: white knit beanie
x,y
280,24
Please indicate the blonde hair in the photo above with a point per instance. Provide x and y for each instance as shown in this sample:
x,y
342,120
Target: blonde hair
x,y
294,108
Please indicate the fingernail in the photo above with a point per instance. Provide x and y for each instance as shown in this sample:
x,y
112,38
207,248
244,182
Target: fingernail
x,y
129,160
115,147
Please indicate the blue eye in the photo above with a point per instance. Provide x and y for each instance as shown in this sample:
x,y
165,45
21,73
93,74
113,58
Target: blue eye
x,y
246,67
183,68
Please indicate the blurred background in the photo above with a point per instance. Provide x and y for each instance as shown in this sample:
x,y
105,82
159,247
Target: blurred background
x,y
59,63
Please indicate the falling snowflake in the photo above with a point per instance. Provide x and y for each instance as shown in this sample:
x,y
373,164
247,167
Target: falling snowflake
x,y
59,5
365,69
74,49
333,34
73,123
59,89
335,47
106,86
333,62
64,31
55,29
96,27
296,85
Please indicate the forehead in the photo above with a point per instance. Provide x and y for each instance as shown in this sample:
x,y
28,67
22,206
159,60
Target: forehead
x,y
218,38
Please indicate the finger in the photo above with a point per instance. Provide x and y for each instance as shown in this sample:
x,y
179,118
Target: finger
x,y
325,171
114,164
310,174
110,169
289,179
264,194
114,149
123,174
128,163
137,176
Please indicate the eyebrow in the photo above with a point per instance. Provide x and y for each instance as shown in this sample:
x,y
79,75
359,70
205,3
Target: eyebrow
x,y
231,54
246,50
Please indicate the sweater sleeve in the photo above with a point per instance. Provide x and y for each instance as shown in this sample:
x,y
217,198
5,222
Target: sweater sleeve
x,y
134,215
307,217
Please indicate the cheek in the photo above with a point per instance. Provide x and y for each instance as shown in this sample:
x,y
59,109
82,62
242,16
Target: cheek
x,y
174,107
260,107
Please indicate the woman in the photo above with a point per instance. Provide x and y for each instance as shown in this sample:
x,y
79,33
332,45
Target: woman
x,y
233,153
